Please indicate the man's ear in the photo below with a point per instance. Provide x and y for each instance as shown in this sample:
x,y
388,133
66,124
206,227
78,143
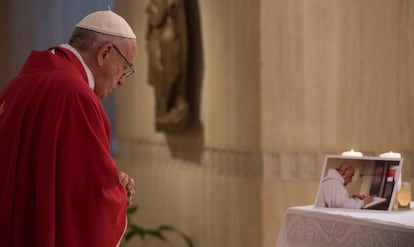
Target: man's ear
x,y
103,53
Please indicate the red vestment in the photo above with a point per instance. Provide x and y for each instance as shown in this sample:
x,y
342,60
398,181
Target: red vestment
x,y
59,185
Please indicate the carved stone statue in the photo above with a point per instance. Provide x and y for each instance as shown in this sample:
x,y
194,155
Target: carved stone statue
x,y
167,52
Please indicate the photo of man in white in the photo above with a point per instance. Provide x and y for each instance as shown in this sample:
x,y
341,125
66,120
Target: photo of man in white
x,y
333,193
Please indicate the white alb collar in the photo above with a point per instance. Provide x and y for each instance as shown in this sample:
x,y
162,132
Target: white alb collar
x,y
91,80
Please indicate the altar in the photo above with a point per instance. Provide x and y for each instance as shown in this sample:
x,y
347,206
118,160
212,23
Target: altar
x,y
322,227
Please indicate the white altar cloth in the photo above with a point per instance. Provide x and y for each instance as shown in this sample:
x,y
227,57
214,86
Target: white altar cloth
x,y
322,227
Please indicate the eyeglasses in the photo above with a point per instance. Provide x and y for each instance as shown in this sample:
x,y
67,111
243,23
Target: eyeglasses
x,y
130,70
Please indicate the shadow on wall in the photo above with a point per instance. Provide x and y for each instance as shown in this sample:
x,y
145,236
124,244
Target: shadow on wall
x,y
188,144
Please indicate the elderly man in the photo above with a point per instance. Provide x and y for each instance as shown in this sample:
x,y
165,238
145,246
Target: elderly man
x,y
59,185
333,193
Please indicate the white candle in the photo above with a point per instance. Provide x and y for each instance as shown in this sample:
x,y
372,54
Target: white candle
x,y
352,153
390,155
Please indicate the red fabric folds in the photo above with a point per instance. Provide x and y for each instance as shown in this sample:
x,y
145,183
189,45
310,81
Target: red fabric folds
x,y
59,185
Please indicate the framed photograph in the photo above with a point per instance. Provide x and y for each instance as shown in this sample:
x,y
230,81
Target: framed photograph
x,y
359,182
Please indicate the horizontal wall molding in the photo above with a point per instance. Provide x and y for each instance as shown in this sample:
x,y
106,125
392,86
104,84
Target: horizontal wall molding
x,y
283,166
220,161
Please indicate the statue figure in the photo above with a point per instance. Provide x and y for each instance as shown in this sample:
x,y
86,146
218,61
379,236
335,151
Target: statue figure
x,y
167,52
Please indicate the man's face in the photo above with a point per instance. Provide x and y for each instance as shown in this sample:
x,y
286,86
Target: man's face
x,y
348,175
112,74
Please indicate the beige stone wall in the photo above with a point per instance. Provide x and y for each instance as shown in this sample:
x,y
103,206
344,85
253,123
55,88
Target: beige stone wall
x,y
206,181
216,201
283,83
336,75
231,69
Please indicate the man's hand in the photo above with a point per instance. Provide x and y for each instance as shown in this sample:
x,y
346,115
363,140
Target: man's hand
x,y
129,185
367,199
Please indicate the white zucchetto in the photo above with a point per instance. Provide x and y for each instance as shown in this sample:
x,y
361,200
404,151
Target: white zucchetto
x,y
107,22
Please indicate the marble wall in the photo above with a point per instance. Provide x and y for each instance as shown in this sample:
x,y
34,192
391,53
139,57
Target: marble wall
x,y
276,86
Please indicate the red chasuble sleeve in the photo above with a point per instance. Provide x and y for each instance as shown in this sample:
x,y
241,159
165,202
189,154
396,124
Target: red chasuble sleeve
x,y
59,185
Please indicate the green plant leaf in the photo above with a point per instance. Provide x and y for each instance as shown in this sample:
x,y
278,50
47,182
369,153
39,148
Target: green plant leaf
x,y
157,234
177,231
132,209
135,230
